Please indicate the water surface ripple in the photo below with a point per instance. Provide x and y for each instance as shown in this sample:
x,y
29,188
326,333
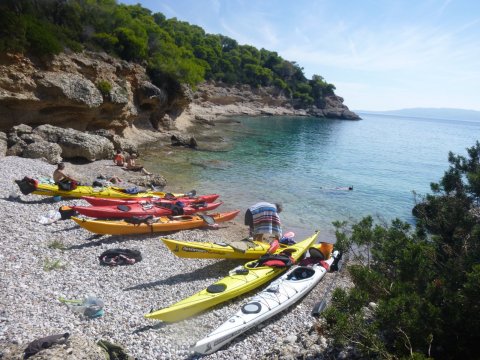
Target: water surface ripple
x,y
300,162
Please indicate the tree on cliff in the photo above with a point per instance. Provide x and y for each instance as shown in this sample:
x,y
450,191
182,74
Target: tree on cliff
x,y
425,284
181,51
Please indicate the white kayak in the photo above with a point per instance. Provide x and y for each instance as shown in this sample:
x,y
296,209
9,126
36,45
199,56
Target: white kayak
x,y
279,295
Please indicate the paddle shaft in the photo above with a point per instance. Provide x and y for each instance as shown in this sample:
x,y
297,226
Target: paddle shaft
x,y
321,305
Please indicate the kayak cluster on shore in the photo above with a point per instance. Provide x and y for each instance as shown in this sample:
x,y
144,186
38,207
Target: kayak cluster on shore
x,y
117,211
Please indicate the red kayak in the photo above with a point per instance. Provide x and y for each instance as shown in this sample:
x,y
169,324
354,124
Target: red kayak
x,y
97,201
141,210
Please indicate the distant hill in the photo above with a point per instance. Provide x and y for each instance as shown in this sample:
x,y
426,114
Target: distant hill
x,y
431,113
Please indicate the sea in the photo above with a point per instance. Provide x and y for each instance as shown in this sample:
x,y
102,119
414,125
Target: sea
x,y
309,164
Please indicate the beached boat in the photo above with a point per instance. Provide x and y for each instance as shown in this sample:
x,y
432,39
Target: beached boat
x,y
278,296
242,249
34,186
149,225
217,250
168,199
240,280
154,209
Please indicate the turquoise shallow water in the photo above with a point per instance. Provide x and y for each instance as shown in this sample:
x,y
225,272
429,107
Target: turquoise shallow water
x,y
300,162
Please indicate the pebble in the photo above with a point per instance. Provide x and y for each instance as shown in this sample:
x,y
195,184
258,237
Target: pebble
x,y
29,295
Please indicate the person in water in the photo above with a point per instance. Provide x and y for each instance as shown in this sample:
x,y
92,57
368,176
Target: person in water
x,y
119,159
264,221
64,181
132,166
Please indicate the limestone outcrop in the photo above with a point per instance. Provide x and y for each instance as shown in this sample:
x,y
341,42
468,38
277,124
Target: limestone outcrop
x,y
3,144
54,144
212,100
95,94
76,144
83,91
51,152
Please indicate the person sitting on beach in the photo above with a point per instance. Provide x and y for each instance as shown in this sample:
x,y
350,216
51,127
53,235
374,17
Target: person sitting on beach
x,y
64,181
119,159
263,220
132,166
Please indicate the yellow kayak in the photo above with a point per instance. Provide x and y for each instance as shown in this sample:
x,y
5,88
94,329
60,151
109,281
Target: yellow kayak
x,y
221,250
161,224
209,250
238,282
33,186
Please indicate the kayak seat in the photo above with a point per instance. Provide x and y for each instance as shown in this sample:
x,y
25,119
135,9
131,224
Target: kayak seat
x,y
301,273
315,253
216,288
123,207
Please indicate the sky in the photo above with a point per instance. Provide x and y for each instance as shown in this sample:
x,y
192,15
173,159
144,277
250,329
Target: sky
x,y
380,54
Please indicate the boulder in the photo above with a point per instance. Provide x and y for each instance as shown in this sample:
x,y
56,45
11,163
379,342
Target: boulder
x,y
51,152
30,138
3,144
76,144
74,88
17,148
184,140
118,141
124,144
149,96
21,129
155,180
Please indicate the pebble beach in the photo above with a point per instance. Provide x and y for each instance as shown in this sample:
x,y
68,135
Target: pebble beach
x,y
29,291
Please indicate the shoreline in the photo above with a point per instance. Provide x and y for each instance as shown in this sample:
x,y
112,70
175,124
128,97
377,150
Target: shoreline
x,y
30,305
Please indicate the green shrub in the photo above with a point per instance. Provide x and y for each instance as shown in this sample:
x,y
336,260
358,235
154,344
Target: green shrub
x,y
49,265
42,37
105,87
57,244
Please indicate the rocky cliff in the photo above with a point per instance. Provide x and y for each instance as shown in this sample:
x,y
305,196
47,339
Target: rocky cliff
x,y
220,99
97,94
86,91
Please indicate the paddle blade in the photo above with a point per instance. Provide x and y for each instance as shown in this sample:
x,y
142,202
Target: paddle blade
x,y
319,307
337,262
207,218
191,193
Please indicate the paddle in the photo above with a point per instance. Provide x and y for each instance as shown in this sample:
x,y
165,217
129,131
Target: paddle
x,y
207,218
191,193
321,305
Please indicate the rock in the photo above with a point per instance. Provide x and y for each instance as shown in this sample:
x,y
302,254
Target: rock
x,y
3,144
150,96
43,149
21,129
291,339
350,115
73,89
76,144
124,144
17,148
117,141
148,181
205,119
63,92
184,140
31,138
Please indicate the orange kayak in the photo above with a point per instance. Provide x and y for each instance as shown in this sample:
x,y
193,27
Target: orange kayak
x,y
153,225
